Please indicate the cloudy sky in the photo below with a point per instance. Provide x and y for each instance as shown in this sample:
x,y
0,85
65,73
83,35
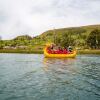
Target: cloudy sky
x,y
18,17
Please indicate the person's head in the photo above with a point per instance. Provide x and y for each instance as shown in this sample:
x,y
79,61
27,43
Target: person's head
x,y
52,46
59,48
64,47
69,46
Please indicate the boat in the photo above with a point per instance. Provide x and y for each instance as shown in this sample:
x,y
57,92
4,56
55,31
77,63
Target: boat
x,y
68,55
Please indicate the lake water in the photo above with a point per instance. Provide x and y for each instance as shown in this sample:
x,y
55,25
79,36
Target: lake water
x,y
33,77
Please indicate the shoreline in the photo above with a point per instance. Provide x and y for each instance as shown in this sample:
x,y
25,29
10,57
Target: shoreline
x,y
21,51
88,51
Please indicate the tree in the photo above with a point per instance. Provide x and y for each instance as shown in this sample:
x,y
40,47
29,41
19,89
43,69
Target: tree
x,y
93,40
57,40
1,43
66,39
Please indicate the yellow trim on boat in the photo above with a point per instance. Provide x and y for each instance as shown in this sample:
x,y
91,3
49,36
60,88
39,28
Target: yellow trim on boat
x,y
46,54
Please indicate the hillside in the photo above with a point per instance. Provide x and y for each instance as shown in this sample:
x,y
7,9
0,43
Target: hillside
x,y
78,34
74,30
75,36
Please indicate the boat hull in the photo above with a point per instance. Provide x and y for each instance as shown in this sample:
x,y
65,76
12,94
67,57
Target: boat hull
x,y
71,55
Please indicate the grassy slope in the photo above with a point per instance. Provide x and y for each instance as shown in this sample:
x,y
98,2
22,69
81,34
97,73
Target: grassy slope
x,y
83,30
87,29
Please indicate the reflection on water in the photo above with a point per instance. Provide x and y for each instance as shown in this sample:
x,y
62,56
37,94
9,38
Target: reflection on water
x,y
60,65
33,77
81,74
61,70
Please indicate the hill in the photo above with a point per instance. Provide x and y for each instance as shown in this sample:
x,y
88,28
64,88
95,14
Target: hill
x,y
78,34
75,36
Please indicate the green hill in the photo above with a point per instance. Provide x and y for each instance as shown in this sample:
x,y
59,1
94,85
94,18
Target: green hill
x,y
23,37
76,36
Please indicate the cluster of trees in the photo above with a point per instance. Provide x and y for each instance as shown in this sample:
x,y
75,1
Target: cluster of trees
x,y
18,41
65,40
91,41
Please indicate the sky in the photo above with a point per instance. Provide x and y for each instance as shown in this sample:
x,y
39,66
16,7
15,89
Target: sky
x,y
33,17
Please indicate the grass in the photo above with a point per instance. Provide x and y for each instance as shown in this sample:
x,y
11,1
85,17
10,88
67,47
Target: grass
x,y
40,51
89,51
21,51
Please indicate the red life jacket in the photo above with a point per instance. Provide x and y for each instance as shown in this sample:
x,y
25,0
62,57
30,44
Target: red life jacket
x,y
57,51
65,51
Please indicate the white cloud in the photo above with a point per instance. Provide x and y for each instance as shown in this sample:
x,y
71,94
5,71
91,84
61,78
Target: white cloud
x,y
36,16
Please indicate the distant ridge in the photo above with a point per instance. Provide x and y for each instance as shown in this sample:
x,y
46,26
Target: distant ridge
x,y
86,28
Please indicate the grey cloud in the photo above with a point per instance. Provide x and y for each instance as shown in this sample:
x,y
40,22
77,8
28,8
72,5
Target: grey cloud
x,y
36,16
3,17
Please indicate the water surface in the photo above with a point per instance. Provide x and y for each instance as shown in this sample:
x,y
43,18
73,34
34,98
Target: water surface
x,y
33,77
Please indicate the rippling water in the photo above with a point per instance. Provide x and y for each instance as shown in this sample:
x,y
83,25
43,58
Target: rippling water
x,y
33,77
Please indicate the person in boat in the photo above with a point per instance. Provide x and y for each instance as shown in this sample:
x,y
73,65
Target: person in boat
x,y
59,50
70,49
52,46
65,51
51,49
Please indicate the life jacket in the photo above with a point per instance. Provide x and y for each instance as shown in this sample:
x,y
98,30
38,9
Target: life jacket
x,y
60,51
65,51
48,50
57,51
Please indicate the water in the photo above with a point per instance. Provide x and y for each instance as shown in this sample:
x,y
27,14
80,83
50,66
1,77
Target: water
x,y
33,77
